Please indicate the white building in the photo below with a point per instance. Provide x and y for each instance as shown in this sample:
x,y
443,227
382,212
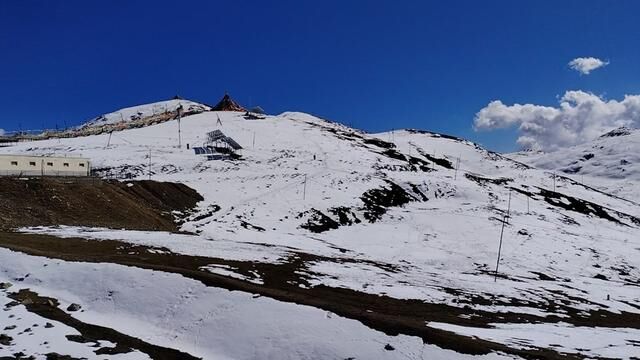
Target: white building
x,y
22,165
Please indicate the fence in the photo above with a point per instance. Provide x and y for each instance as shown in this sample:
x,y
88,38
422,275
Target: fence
x,y
158,116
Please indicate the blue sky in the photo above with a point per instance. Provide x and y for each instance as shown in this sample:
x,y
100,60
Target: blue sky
x,y
375,65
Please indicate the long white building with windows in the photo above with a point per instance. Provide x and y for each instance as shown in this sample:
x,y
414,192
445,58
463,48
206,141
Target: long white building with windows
x,y
22,165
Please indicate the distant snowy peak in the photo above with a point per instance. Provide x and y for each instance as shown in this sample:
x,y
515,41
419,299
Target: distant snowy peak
x,y
612,161
156,109
439,135
621,131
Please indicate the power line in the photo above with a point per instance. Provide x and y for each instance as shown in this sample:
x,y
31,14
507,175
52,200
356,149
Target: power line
x,y
504,220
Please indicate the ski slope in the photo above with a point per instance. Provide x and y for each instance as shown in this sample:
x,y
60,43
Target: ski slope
x,y
409,215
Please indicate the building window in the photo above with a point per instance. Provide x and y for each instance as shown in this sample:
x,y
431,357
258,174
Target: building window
x,y
14,163
81,165
32,163
49,164
65,164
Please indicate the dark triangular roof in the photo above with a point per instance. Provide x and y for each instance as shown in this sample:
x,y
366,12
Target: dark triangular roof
x,y
228,104
257,110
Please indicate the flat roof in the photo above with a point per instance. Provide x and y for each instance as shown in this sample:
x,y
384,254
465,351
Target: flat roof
x,y
45,157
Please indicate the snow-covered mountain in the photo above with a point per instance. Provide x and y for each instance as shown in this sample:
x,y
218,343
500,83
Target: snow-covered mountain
x,y
610,163
140,112
407,215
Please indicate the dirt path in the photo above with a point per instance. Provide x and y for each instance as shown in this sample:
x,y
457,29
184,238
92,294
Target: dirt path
x,y
281,282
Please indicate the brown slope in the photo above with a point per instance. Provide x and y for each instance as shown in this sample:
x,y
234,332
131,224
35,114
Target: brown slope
x,y
134,205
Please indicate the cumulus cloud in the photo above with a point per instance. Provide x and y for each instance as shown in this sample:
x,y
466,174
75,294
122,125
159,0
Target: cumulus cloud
x,y
585,65
580,117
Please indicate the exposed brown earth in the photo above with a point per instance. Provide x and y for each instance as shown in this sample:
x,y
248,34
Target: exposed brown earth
x,y
135,205
281,282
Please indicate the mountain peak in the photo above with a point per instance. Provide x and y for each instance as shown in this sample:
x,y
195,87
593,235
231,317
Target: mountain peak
x,y
621,131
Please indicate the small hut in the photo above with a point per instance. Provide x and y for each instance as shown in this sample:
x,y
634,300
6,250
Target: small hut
x,y
257,110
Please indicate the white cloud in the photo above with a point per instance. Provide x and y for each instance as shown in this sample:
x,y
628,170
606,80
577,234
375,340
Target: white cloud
x,y
2,132
580,117
585,65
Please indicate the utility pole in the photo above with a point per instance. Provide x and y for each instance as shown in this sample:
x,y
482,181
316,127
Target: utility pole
x,y
254,139
504,220
304,188
179,132
179,111
554,181
527,205
149,163
109,141
455,175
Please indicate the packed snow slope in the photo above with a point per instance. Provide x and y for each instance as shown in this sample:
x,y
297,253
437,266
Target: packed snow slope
x,y
145,111
408,214
611,162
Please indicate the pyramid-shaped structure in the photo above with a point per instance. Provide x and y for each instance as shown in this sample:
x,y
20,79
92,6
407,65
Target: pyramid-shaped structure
x,y
228,104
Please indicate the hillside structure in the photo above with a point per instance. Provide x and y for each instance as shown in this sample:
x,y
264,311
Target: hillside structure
x,y
228,104
218,146
25,165
257,110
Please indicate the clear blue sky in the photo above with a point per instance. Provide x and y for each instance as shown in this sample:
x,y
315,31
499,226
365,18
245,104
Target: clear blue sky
x,y
375,65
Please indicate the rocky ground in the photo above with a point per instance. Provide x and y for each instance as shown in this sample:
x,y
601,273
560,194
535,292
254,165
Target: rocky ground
x,y
142,205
